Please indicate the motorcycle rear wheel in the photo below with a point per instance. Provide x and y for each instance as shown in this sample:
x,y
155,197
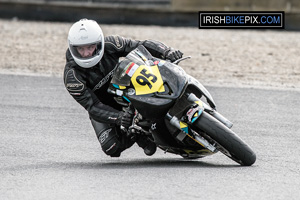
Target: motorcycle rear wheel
x,y
227,141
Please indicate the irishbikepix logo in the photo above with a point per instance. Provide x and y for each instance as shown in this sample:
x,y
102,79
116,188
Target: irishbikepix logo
x,y
256,20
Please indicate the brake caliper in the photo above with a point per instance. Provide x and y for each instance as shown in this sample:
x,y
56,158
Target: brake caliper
x,y
194,112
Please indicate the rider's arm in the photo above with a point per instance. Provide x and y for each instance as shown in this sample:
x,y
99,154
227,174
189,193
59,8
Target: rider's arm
x,y
124,45
76,86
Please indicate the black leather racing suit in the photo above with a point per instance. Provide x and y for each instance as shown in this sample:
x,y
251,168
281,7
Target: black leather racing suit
x,y
88,86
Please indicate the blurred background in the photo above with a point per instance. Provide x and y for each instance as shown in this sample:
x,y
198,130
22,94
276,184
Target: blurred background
x,y
141,12
35,33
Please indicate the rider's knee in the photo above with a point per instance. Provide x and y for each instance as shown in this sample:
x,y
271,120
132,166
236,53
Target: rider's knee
x,y
109,141
109,138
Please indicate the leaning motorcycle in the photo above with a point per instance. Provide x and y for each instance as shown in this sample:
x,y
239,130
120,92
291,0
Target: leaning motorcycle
x,y
169,107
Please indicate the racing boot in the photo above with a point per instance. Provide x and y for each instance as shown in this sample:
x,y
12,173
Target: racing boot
x,y
147,144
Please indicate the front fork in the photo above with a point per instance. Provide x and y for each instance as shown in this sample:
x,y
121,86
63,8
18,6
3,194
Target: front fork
x,y
192,114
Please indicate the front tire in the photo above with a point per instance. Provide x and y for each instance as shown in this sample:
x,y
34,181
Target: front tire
x,y
227,141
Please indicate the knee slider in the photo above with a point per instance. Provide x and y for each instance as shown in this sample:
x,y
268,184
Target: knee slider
x,y
109,142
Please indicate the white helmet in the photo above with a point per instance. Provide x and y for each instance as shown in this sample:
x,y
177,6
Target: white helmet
x,y
82,33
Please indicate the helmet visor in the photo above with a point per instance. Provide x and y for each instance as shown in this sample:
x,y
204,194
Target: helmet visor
x,y
86,51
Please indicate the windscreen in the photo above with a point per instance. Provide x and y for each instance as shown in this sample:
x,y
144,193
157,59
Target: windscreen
x,y
126,68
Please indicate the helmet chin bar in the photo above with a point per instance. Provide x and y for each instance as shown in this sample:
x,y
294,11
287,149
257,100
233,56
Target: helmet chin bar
x,y
88,63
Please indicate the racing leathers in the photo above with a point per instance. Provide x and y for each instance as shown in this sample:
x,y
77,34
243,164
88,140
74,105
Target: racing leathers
x,y
88,86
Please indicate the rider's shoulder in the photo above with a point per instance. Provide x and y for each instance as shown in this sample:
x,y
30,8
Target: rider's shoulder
x,y
115,42
73,80
72,71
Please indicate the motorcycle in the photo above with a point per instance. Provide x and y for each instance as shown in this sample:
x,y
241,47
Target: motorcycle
x,y
168,108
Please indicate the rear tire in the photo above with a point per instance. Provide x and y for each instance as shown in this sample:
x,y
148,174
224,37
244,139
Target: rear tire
x,y
228,142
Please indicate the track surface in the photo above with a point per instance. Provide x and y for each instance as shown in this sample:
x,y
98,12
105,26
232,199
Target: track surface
x,y
48,150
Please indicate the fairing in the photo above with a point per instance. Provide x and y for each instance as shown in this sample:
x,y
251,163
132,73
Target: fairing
x,y
156,83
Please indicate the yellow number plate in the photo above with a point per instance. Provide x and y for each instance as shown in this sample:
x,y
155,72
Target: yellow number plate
x,y
147,80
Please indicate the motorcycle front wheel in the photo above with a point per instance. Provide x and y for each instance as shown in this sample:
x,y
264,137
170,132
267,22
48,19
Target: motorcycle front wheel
x,y
226,140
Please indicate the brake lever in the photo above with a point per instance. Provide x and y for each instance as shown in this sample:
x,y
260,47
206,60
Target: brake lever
x,y
181,59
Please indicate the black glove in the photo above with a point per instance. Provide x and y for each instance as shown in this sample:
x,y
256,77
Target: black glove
x,y
125,118
172,54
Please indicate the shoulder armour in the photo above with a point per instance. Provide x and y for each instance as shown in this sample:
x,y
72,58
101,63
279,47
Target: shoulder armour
x,y
72,83
115,41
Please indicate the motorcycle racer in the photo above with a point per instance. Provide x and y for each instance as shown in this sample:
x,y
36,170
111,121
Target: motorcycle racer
x,y
90,63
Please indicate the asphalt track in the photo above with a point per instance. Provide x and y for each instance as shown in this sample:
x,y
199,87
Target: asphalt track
x,y
48,150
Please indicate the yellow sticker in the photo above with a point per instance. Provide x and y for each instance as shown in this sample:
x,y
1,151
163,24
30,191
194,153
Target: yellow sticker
x,y
199,152
182,125
147,80
200,103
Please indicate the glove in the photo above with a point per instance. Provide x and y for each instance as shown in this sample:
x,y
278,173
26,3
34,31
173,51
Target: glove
x,y
172,54
125,118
